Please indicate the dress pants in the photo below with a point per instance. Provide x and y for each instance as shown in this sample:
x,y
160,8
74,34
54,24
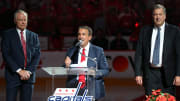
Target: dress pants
x,y
156,81
25,91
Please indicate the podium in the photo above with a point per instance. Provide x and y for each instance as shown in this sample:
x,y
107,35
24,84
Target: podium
x,y
62,72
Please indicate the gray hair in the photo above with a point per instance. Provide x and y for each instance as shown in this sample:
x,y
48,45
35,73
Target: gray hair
x,y
158,6
20,11
90,32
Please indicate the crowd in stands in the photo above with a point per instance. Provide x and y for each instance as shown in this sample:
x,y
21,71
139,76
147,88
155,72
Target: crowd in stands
x,y
108,18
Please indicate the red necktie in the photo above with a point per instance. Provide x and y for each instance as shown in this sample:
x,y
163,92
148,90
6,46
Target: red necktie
x,y
82,76
23,42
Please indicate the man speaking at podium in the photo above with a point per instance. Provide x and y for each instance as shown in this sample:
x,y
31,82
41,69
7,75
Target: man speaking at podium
x,y
88,54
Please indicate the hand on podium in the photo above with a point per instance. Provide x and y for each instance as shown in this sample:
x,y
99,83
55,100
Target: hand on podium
x,y
67,61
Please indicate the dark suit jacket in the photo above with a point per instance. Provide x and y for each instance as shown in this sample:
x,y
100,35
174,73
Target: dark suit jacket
x,y
13,55
94,52
170,57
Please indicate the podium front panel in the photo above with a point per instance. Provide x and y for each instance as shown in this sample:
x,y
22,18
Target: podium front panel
x,y
59,76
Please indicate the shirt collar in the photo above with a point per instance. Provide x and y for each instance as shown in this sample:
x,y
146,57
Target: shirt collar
x,y
87,46
19,31
161,27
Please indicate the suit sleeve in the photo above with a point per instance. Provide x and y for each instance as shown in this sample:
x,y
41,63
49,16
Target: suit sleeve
x,y
71,51
5,47
36,54
139,55
103,68
178,52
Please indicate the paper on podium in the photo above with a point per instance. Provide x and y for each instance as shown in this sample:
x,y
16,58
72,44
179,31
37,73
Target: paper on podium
x,y
78,65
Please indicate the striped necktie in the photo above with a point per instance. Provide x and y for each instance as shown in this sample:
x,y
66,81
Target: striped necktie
x,y
155,59
23,42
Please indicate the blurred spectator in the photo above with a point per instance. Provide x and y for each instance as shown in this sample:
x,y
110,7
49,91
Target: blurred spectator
x,y
35,16
100,39
100,22
55,41
112,21
48,26
119,4
134,36
91,9
59,6
119,43
147,17
22,5
48,8
3,6
127,19
175,13
5,15
67,20
111,15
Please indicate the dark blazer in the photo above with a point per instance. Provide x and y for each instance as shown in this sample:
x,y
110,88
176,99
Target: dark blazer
x,y
94,52
170,57
13,55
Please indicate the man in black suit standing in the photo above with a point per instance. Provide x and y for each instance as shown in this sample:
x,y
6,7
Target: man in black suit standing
x,y
157,58
21,53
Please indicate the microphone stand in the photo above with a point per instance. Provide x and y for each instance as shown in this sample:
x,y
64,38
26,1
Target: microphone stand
x,y
92,59
94,75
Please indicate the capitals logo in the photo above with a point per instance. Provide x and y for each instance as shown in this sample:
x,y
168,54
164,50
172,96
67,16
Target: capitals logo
x,y
70,94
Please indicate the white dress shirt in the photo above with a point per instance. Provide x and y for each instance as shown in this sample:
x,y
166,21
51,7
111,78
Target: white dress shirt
x,y
19,33
84,63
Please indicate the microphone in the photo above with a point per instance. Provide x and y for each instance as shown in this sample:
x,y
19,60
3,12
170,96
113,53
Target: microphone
x,y
92,59
74,50
79,43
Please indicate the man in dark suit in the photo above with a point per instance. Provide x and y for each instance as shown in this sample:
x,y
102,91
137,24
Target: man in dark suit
x,y
74,56
21,53
157,58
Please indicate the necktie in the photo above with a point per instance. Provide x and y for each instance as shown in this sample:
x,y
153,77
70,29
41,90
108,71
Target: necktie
x,y
155,59
23,42
82,76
